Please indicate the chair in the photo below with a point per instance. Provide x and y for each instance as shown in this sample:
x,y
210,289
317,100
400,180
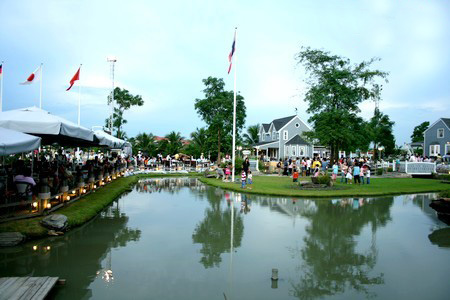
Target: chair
x,y
24,190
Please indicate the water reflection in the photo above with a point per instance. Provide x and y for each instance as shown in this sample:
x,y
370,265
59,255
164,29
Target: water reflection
x,y
171,185
221,229
330,261
61,256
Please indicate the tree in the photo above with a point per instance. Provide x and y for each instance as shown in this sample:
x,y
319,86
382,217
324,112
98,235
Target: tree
x,y
144,142
418,132
199,143
172,144
336,88
381,132
216,109
251,137
124,101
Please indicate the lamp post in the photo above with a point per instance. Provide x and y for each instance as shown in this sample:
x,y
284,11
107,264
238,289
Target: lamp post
x,y
112,60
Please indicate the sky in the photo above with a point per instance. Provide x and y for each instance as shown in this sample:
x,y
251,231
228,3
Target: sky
x,y
165,48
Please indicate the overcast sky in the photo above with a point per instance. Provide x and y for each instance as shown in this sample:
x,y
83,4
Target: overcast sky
x,y
165,48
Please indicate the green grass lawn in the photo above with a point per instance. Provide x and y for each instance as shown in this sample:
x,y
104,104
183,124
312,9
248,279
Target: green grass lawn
x,y
283,186
83,210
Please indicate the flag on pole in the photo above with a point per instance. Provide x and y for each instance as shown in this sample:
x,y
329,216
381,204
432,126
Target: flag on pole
x,y
1,70
35,76
230,56
74,78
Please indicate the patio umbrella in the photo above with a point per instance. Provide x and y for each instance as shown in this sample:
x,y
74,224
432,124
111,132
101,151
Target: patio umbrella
x,y
12,142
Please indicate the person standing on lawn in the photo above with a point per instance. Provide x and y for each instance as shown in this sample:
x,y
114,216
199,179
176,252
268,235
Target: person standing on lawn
x,y
246,166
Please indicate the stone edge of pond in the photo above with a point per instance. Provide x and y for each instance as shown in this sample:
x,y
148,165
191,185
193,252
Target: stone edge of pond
x,y
237,188
76,213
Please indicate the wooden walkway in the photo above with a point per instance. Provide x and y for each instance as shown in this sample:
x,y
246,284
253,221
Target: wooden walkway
x,y
16,288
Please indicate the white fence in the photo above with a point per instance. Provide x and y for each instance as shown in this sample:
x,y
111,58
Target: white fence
x,y
417,168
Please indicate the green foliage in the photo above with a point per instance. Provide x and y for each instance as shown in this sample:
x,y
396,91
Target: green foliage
x,y
417,135
336,88
324,179
444,194
172,144
123,101
262,166
381,132
145,143
379,171
199,143
216,110
251,137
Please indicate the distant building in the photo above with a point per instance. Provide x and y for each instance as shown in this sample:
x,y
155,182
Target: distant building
x,y
437,138
284,138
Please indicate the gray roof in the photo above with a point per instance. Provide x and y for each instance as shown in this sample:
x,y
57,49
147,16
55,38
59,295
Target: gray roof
x,y
263,143
279,123
266,127
297,140
446,121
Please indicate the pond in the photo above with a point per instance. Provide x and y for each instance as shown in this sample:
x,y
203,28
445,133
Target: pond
x,y
176,238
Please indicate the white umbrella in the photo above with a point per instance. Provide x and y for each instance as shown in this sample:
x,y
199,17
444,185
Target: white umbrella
x,y
39,122
12,142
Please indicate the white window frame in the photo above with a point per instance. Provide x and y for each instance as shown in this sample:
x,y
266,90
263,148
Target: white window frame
x,y
440,130
274,135
285,135
301,151
278,135
263,138
293,151
297,125
447,149
435,150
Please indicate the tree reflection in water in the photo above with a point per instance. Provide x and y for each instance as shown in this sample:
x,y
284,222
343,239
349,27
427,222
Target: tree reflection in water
x,y
332,263
214,232
171,185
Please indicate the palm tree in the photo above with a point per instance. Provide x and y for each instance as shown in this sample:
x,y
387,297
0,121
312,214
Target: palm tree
x,y
199,143
174,143
251,137
145,143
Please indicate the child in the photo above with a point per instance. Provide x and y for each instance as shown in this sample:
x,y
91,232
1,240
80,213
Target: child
x,y
349,177
335,171
250,179
368,175
295,175
244,179
227,173
362,174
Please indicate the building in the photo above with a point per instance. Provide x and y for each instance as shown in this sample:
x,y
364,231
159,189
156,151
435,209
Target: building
x,y
284,138
437,138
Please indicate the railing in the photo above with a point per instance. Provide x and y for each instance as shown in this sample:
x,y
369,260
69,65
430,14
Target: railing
x,y
416,168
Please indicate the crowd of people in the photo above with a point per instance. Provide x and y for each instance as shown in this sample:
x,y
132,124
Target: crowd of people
x,y
352,170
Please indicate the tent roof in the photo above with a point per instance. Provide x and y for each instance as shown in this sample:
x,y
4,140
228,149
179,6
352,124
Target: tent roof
x,y
51,128
105,139
12,142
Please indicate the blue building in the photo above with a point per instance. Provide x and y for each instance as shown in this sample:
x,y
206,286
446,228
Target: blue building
x,y
437,138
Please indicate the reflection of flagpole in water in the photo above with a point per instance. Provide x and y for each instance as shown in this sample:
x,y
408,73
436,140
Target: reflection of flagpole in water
x,y
231,244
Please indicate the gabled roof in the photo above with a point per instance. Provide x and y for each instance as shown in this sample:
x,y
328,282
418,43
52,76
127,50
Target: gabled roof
x,y
264,143
279,123
446,121
297,140
266,127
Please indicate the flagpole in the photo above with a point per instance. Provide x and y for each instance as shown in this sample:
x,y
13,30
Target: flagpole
x,y
234,110
1,88
79,98
40,89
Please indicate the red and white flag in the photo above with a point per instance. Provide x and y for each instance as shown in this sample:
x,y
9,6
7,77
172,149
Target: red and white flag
x,y
230,56
74,78
35,76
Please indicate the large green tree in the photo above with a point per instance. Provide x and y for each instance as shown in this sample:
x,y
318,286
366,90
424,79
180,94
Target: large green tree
x,y
216,109
417,135
172,144
380,128
336,88
144,142
123,101
251,137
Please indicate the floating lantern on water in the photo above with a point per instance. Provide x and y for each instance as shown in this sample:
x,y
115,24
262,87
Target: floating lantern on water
x,y
35,204
49,205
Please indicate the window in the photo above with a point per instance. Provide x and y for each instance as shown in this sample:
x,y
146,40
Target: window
x,y
447,149
435,150
274,135
302,151
263,137
285,135
293,151
287,151
440,133
278,135
297,125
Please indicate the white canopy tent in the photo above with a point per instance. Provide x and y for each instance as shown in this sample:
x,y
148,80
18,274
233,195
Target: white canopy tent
x,y
51,128
12,142
105,139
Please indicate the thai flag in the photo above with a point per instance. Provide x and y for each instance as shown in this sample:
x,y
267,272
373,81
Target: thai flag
x,y
230,56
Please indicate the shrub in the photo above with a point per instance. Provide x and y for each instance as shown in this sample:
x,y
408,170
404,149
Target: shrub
x,y
444,194
390,169
262,166
379,171
322,179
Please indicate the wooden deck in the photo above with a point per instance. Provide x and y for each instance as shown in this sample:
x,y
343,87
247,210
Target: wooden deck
x,y
15,288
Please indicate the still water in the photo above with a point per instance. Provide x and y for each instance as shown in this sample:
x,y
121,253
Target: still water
x,y
179,239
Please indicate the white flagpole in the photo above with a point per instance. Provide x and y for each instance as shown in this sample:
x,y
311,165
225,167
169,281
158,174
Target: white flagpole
x,y
234,108
79,97
40,89
1,90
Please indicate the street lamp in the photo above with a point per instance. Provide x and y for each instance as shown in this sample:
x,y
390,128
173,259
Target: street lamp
x,y
112,60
